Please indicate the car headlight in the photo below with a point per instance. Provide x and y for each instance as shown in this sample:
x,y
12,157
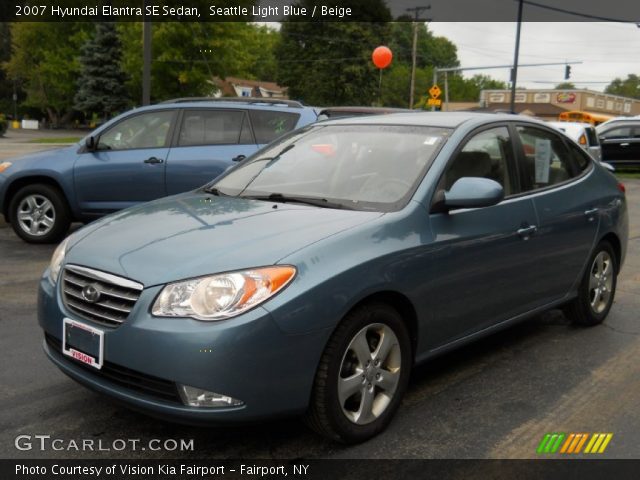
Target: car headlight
x,y
222,296
56,260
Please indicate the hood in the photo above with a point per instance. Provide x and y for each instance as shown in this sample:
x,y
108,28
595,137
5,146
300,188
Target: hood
x,y
196,234
45,158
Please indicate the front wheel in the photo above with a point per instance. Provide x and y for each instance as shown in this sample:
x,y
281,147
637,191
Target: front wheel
x,y
39,214
597,289
362,376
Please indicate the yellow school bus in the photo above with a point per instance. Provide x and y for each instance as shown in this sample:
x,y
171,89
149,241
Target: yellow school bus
x,y
586,117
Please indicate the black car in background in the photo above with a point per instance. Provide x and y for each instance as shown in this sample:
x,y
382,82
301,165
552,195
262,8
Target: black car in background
x,y
620,141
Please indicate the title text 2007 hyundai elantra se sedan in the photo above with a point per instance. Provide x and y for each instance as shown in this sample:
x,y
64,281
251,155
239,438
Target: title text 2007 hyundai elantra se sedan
x,y
312,276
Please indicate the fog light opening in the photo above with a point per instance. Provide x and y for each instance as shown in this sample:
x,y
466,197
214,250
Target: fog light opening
x,y
197,397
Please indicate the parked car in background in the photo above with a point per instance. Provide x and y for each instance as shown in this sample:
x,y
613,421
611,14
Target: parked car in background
x,y
620,140
311,277
354,111
584,134
141,155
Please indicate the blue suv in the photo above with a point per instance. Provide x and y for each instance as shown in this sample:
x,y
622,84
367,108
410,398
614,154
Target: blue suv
x,y
141,155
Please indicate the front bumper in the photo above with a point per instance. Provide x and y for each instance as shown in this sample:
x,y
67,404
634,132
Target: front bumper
x,y
248,358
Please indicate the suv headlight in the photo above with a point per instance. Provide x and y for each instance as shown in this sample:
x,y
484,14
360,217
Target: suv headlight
x,y
56,260
222,296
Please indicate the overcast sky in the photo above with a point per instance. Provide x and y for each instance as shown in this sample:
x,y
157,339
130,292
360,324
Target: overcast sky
x,y
606,50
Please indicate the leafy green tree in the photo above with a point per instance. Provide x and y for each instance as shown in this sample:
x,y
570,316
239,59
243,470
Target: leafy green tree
x,y
565,86
186,56
629,87
430,49
329,63
101,86
6,85
44,62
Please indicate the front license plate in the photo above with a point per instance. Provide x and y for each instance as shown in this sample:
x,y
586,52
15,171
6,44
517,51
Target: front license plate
x,y
83,343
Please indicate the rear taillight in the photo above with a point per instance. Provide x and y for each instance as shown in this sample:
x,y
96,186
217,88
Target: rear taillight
x,y
621,187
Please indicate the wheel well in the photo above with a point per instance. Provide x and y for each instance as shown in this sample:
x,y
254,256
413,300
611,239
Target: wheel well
x,y
22,182
404,307
613,239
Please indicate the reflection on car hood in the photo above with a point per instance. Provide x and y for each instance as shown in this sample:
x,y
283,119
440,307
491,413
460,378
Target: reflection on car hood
x,y
45,158
196,234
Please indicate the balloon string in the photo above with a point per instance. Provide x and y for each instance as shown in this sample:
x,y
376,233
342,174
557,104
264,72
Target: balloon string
x,y
380,88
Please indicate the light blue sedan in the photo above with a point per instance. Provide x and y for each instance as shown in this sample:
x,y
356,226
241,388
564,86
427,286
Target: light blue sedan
x,y
312,276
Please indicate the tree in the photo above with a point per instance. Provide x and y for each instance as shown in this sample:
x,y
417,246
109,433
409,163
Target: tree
x,y
44,64
187,56
565,86
101,86
329,63
629,87
430,51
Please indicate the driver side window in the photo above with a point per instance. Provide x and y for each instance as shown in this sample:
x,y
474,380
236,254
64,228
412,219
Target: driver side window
x,y
485,155
148,130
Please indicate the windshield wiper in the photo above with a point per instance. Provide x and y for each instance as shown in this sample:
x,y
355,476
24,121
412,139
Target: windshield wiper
x,y
280,198
216,192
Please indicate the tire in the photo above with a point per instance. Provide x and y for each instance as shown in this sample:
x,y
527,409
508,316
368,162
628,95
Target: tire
x,y
597,290
39,214
337,412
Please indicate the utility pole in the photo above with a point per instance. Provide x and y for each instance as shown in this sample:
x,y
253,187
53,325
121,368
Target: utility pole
x,y
515,59
146,58
416,18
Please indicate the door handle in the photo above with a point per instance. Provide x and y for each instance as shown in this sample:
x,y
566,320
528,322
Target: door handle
x,y
591,213
154,160
625,144
238,158
526,232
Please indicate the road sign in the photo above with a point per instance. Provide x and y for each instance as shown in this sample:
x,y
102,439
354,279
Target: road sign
x,y
435,91
434,102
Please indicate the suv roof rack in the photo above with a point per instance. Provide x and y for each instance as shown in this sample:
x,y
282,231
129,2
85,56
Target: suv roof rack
x,y
247,100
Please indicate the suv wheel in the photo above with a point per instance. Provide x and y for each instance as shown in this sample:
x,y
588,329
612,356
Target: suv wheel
x,y
39,214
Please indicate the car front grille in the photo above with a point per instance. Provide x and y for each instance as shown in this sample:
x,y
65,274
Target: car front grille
x,y
98,296
124,377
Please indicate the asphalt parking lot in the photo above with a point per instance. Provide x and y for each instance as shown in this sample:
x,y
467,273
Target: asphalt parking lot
x,y
493,399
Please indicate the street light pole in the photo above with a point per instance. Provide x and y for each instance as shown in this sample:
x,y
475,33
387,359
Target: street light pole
x,y
515,59
414,48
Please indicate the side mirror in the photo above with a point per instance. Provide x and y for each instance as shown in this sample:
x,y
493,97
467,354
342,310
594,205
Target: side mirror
x,y
90,143
473,192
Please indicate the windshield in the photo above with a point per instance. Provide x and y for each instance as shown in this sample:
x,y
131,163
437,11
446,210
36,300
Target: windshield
x,y
360,167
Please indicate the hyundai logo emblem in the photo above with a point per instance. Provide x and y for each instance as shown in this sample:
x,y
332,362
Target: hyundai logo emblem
x,y
90,293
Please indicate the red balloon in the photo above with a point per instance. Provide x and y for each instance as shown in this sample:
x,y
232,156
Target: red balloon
x,y
382,57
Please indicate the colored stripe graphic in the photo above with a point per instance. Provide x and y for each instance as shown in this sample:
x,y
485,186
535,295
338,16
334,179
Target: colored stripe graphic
x,y
599,442
550,443
573,443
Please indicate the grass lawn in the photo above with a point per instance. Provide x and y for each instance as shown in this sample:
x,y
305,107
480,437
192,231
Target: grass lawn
x,y
55,140
627,174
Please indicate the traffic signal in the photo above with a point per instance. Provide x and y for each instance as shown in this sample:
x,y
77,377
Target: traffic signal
x,y
567,72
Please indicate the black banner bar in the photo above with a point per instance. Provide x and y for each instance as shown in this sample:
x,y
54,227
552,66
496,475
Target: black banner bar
x,y
579,469
624,11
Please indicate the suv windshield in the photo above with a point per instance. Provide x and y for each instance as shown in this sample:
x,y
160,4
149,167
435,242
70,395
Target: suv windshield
x,y
360,167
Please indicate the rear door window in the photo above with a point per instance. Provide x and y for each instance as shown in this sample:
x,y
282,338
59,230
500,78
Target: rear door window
x,y
547,160
214,127
269,125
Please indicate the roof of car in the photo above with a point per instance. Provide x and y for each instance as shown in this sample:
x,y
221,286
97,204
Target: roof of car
x,y
434,119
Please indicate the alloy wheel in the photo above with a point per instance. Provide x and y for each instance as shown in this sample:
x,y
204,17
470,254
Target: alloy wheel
x,y
36,215
369,373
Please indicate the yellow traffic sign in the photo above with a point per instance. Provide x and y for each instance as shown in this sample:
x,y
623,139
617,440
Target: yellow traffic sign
x,y
435,91
434,102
